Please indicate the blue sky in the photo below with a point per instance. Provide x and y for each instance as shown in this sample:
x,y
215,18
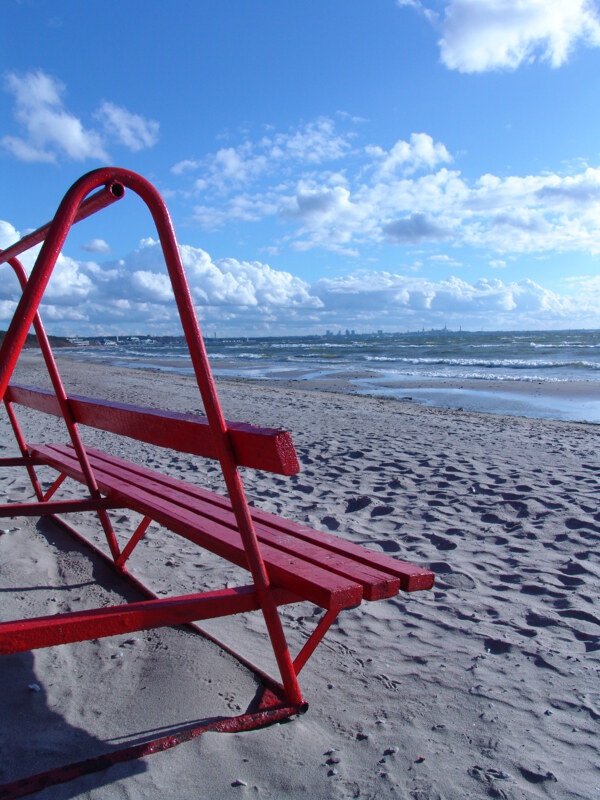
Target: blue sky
x,y
390,164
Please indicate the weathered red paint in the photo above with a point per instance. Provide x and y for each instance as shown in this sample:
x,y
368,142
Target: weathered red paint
x,y
78,626
267,449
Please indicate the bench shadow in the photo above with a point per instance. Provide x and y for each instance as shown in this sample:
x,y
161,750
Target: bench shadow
x,y
35,738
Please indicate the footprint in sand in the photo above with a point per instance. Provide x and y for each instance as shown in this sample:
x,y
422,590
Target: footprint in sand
x,y
304,488
497,647
537,777
582,616
441,543
381,511
540,621
389,545
356,454
357,504
574,524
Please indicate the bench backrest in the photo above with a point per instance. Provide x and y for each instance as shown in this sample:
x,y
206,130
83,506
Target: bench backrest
x,y
267,449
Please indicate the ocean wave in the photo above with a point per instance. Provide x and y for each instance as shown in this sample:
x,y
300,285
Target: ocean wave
x,y
503,363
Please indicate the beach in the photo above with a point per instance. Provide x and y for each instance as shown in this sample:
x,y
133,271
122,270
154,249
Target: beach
x,y
486,686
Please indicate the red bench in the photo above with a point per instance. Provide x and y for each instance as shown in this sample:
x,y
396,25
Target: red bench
x,y
287,562
309,565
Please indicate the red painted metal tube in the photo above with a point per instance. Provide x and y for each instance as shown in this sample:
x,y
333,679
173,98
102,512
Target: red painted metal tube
x,y
78,626
313,640
135,539
29,464
47,509
105,197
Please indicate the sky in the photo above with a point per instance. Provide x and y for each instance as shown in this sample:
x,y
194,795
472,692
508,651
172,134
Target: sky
x,y
341,164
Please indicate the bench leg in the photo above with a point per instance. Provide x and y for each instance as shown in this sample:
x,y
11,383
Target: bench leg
x,y
313,640
23,448
140,531
55,486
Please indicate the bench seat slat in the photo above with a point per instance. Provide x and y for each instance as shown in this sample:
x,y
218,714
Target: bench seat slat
x,y
379,575
318,585
376,584
268,449
411,577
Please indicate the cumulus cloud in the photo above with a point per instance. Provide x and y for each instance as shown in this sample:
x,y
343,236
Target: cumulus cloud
x,y
482,35
415,229
51,132
152,286
395,299
132,130
314,143
244,284
134,294
409,196
420,152
96,246
8,234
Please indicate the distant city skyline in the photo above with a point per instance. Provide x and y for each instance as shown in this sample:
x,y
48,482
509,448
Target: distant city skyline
x,y
392,166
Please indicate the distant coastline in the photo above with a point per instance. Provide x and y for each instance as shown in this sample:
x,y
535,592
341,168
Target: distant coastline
x,y
543,374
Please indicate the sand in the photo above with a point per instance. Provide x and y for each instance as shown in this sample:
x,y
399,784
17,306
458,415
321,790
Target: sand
x,y
487,686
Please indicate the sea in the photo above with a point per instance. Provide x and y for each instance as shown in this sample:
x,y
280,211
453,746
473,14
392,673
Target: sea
x,y
545,374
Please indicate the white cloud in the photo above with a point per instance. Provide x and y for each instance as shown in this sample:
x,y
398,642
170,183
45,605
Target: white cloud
x,y
232,167
50,132
482,35
445,259
244,208
315,143
420,152
8,234
153,286
396,300
134,294
329,217
187,165
244,284
415,229
236,165
383,199
69,284
132,130
96,246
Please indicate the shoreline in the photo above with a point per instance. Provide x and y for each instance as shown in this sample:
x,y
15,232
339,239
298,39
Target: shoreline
x,y
568,400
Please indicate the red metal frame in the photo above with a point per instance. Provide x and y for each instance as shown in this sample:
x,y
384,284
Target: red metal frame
x,y
26,314
111,183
